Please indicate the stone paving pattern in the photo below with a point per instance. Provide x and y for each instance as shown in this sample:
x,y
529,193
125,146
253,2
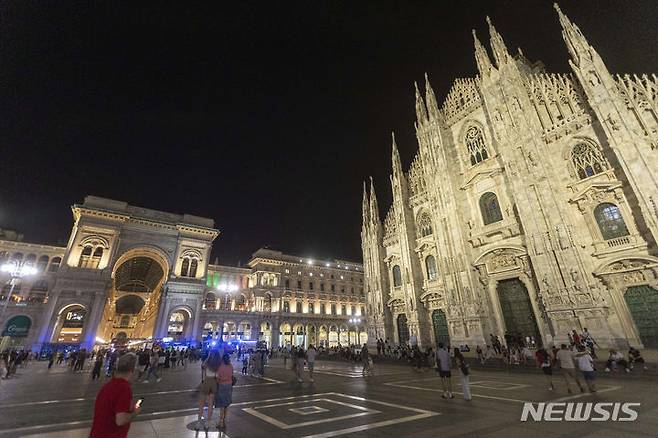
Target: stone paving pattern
x,y
59,403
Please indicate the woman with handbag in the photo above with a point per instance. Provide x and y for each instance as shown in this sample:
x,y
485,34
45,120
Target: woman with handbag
x,y
208,386
464,371
224,396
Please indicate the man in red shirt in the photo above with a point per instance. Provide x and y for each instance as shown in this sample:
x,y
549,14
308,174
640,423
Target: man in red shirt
x,y
114,409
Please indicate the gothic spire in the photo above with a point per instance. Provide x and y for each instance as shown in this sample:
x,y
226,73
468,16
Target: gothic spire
x,y
374,207
501,55
421,111
365,207
397,163
430,100
481,57
574,38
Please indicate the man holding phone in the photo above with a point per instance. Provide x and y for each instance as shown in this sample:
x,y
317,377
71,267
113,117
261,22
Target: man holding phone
x,y
113,410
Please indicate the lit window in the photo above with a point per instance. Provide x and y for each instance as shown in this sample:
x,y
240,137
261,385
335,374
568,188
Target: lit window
x,y
424,225
611,223
587,160
54,264
490,209
430,266
475,145
397,276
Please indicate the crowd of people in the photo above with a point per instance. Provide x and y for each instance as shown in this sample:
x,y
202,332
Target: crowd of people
x,y
11,360
114,408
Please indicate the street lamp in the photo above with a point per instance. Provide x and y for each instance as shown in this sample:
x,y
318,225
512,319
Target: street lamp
x,y
16,270
356,322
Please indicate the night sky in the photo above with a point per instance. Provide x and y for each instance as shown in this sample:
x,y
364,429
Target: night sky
x,y
266,116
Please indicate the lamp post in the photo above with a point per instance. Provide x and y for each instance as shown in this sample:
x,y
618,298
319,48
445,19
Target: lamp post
x,y
16,270
356,322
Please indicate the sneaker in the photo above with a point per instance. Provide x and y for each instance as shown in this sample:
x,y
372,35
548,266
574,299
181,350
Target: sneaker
x,y
607,370
627,370
550,388
311,380
300,380
159,379
444,395
450,395
145,381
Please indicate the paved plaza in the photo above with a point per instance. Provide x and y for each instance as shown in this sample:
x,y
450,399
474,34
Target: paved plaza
x,y
395,402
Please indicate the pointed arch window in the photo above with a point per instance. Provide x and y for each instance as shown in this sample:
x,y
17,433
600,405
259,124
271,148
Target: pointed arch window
x,y
490,208
587,160
475,144
397,276
430,266
610,221
424,225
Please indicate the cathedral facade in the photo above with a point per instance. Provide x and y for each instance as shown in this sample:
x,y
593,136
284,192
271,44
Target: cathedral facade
x,y
138,274
530,208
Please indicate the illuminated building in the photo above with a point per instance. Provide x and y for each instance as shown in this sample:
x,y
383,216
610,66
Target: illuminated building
x,y
145,273
530,208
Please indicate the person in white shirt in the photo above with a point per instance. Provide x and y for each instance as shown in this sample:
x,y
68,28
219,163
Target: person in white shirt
x,y
616,358
565,358
586,365
311,353
444,363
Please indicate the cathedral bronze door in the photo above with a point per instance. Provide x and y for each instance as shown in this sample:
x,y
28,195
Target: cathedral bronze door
x,y
403,329
642,302
440,325
517,310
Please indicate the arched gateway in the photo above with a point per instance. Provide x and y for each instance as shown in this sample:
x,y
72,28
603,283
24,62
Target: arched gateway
x,y
132,307
642,302
517,310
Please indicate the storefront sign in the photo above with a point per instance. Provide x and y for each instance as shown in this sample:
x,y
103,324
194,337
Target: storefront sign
x,y
74,319
17,327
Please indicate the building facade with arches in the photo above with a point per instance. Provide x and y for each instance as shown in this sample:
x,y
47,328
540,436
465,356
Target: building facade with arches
x,y
530,208
283,299
126,271
135,273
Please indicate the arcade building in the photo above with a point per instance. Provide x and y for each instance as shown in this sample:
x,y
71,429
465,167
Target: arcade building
x,y
145,274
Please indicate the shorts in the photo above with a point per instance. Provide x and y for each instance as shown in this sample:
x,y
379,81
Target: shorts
x,y
208,386
589,375
443,373
224,396
310,365
547,370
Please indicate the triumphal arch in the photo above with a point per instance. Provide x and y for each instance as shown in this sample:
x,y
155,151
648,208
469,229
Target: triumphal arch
x,y
128,272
